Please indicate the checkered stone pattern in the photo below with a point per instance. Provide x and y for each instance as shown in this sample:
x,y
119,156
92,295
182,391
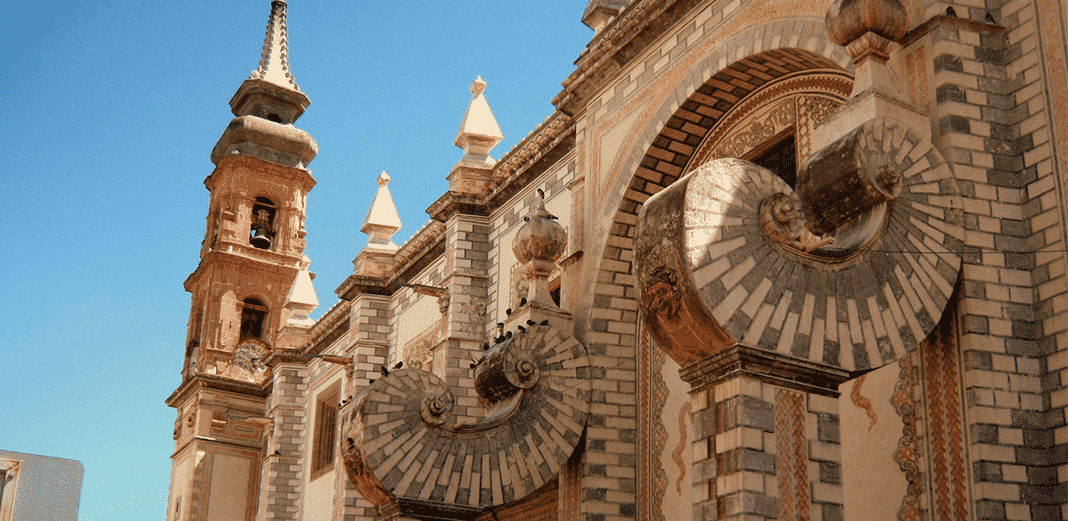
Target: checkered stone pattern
x,y
282,474
997,127
764,452
349,503
856,313
407,442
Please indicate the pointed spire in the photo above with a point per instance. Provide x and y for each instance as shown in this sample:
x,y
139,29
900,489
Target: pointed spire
x,y
478,132
300,302
270,92
301,298
382,220
274,61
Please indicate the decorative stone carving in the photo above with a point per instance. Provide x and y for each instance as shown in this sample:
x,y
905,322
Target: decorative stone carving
x,y
781,221
401,441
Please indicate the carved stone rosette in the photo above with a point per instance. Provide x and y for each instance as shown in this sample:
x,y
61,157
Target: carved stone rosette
x,y
724,257
401,442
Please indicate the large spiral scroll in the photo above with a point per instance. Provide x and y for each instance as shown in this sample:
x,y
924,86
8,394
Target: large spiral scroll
x,y
401,438
724,255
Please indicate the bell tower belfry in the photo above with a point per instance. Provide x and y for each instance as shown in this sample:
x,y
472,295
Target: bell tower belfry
x,y
250,257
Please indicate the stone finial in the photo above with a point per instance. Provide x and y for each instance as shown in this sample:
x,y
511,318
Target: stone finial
x,y
867,28
848,20
478,86
382,220
538,244
274,60
478,132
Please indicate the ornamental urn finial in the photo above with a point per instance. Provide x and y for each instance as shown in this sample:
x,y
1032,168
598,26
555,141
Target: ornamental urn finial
x,y
848,20
541,238
538,244
867,28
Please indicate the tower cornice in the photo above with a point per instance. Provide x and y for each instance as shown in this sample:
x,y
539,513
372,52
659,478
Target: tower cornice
x,y
300,176
284,267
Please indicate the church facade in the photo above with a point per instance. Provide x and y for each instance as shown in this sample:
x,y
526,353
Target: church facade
x,y
766,259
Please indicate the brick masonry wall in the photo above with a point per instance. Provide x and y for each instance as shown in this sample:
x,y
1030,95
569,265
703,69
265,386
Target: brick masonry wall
x,y
1036,58
765,452
283,470
369,329
989,107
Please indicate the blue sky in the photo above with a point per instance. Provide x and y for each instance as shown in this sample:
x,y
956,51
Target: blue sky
x,y
108,114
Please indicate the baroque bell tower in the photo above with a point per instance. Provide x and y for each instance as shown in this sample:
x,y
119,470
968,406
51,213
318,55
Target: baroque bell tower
x,y
251,266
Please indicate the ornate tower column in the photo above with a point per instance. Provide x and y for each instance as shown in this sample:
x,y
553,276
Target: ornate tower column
x,y
250,259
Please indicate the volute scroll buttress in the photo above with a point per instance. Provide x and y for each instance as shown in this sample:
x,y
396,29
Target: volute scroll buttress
x,y
852,271
401,440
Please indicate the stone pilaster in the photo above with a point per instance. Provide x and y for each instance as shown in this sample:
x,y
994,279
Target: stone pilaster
x,y
283,469
466,257
369,332
762,424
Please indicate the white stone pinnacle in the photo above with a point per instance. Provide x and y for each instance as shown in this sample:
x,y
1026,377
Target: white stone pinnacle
x,y
302,300
478,132
382,220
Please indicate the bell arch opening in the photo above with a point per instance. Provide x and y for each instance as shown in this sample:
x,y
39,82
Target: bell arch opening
x,y
263,227
253,318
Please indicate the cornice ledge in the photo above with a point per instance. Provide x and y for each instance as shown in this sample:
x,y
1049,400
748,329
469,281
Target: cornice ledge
x,y
766,366
355,284
935,21
619,44
200,381
423,240
284,356
452,203
301,174
325,325
529,149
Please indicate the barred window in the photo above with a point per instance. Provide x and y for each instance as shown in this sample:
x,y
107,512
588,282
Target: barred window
x,y
326,406
778,154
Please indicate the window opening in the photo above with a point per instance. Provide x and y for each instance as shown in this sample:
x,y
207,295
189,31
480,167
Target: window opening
x,y
554,291
325,425
778,154
253,315
261,233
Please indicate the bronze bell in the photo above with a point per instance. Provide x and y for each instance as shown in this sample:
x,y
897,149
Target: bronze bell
x,y
260,239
